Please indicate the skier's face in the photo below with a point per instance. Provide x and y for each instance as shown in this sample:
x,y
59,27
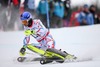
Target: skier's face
x,y
24,22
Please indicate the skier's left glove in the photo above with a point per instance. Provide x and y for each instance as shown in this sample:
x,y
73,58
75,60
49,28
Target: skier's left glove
x,y
29,32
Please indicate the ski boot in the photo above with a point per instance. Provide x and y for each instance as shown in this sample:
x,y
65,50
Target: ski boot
x,y
52,54
69,56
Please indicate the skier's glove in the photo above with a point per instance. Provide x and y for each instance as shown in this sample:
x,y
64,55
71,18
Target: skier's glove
x,y
22,51
29,32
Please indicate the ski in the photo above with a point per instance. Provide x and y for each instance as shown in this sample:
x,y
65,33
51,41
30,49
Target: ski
x,y
46,60
49,56
50,60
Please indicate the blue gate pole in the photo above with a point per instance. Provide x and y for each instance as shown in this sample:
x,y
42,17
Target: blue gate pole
x,y
47,11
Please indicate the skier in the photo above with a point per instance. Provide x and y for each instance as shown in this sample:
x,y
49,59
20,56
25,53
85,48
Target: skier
x,y
35,28
46,47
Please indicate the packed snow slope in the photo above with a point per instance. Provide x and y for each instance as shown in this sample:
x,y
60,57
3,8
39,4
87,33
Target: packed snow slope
x,y
82,41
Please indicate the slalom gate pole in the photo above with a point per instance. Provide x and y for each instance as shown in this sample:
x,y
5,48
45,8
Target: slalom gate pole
x,y
47,10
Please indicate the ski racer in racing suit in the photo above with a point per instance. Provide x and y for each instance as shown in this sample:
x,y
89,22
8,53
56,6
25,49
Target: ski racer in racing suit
x,y
36,29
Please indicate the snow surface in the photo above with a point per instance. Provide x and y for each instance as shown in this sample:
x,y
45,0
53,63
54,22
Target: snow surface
x,y
82,41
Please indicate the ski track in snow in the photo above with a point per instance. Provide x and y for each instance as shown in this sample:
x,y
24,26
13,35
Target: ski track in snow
x,y
82,42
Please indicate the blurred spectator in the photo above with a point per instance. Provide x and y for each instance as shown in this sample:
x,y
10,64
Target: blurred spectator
x,y
16,2
74,15
31,7
58,13
3,14
42,11
22,6
31,4
67,12
93,11
98,18
85,17
67,5
14,13
51,6
4,3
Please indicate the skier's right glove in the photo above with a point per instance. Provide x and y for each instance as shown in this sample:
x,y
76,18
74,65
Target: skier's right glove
x,y
22,51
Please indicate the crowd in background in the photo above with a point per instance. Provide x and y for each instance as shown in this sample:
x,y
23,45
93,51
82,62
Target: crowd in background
x,y
60,13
